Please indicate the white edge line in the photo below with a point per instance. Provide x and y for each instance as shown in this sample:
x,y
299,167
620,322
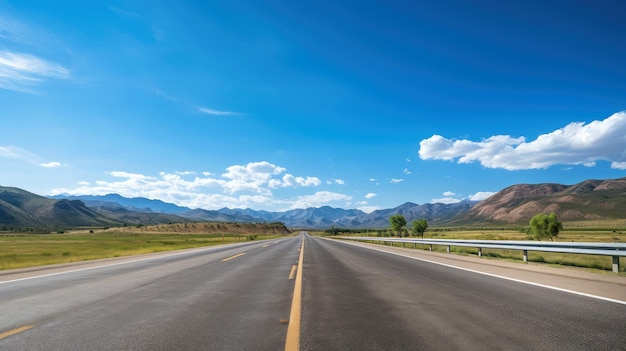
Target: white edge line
x,y
496,275
111,265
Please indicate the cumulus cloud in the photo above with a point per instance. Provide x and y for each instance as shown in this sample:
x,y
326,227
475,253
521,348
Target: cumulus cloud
x,y
319,199
50,164
481,195
449,198
370,195
446,200
367,208
240,186
575,144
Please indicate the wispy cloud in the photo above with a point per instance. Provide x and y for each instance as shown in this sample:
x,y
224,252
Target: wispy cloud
x,y
406,171
17,153
209,111
575,144
396,181
201,109
370,195
123,12
19,72
240,186
13,30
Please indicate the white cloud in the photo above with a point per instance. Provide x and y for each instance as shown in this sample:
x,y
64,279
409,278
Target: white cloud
x,y
449,194
319,199
575,144
340,181
368,209
50,164
17,153
446,200
408,160
209,111
370,195
372,179
396,181
406,171
20,71
481,195
240,186
618,165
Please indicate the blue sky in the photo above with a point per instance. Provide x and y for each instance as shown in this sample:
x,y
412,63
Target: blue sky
x,y
277,105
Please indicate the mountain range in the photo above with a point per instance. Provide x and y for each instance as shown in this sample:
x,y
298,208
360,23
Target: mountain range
x,y
590,199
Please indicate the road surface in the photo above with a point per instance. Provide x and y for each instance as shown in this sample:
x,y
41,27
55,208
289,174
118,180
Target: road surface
x,y
241,297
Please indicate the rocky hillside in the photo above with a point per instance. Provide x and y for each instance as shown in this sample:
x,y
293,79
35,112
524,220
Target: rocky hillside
x,y
588,200
19,208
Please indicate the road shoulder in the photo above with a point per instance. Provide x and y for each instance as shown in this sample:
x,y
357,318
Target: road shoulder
x,y
580,281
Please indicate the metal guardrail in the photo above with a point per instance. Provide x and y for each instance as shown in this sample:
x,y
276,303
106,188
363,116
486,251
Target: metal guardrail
x,y
615,250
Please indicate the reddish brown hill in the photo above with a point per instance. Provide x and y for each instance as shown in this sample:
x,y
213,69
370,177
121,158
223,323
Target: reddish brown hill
x,y
591,199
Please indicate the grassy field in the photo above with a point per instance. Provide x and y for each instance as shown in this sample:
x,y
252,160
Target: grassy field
x,y
27,250
582,232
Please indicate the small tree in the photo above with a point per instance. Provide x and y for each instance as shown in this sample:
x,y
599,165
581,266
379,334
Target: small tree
x,y
397,222
419,227
545,226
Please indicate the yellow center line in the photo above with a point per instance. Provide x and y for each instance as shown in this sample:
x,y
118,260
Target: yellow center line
x,y
265,245
293,330
231,257
15,331
292,274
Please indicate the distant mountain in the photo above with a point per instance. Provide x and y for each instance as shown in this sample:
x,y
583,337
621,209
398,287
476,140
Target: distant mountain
x,y
219,216
588,200
436,214
591,199
126,216
325,217
19,208
138,204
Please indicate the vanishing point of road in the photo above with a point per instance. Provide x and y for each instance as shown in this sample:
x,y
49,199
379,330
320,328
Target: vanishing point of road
x,y
308,293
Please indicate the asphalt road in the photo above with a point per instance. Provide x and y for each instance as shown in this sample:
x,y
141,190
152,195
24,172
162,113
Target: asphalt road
x,y
239,297
192,301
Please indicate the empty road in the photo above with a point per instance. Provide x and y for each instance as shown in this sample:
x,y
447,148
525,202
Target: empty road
x,y
241,297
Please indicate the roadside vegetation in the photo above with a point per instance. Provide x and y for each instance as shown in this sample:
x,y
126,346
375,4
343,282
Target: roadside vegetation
x,y
18,250
541,227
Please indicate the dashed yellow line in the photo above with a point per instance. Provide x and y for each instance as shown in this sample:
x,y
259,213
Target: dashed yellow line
x,y
231,257
292,274
265,245
15,331
293,330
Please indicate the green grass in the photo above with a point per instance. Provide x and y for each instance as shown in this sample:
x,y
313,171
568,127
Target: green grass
x,y
27,250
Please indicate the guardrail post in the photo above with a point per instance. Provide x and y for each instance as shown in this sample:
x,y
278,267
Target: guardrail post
x,y
616,264
414,246
525,255
480,252
448,249
431,247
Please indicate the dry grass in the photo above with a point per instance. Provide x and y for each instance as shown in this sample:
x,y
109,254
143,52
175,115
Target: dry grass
x,y
18,250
